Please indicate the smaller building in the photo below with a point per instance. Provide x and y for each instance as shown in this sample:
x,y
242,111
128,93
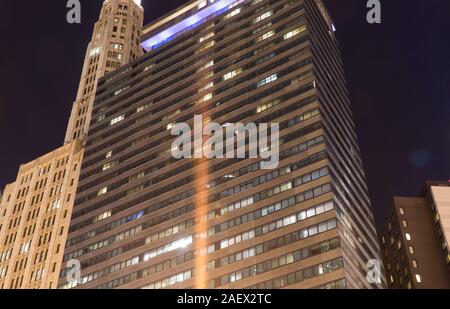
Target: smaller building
x,y
35,214
414,239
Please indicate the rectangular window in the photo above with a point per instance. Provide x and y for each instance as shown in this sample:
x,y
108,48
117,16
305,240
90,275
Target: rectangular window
x,y
268,80
265,36
117,119
294,32
262,17
102,191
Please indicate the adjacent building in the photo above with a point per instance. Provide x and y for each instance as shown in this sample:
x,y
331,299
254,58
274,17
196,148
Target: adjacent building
x,y
35,214
36,209
414,239
115,42
143,219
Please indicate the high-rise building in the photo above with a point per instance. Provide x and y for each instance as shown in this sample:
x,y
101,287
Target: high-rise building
x,y
34,219
36,210
414,239
143,219
115,42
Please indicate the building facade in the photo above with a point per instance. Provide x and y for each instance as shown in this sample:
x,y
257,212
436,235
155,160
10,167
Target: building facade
x,y
32,235
115,42
35,214
414,239
143,219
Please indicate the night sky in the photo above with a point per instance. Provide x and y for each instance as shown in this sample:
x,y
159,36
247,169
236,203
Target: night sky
x,y
398,77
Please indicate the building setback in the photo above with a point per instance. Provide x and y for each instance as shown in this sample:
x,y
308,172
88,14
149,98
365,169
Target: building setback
x,y
414,239
143,219
31,231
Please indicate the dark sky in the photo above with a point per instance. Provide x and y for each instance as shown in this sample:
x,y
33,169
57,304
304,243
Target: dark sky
x,y
398,76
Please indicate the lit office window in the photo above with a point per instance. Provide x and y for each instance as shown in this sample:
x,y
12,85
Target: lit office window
x,y
408,236
262,17
232,14
102,216
418,278
414,264
268,80
402,211
265,36
232,74
411,249
205,37
294,32
107,166
170,126
102,191
117,119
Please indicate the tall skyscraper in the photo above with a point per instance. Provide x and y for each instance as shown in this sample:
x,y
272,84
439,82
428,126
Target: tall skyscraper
x,y
414,239
34,219
115,42
36,209
143,219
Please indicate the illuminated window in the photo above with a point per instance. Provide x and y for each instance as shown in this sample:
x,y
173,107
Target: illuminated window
x,y
232,14
262,17
205,98
101,118
102,191
24,248
107,166
143,107
262,28
102,216
267,106
402,211
117,119
418,278
205,37
405,223
294,32
94,51
109,154
121,90
205,66
206,87
170,125
268,80
232,74
414,263
411,249
202,4
408,236
265,36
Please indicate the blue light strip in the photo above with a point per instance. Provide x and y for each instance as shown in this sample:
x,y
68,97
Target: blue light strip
x,y
188,23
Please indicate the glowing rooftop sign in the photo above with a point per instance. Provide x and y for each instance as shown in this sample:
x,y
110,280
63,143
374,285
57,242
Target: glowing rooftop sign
x,y
186,24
